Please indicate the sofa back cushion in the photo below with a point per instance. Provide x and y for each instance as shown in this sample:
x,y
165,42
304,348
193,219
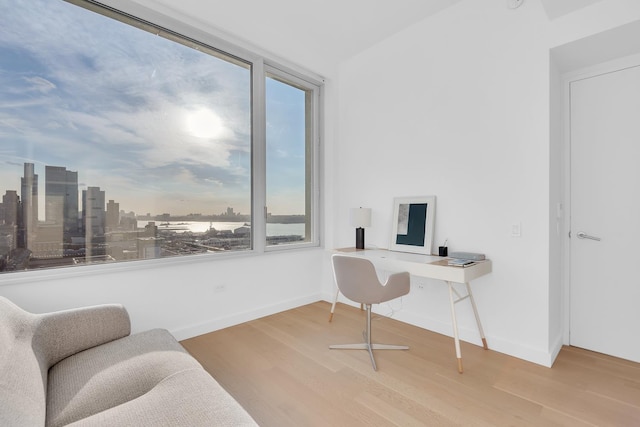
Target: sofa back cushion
x,y
22,374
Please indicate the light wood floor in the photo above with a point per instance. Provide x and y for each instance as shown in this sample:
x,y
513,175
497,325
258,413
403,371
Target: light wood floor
x,y
281,370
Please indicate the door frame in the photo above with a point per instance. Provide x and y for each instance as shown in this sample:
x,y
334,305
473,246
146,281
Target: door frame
x,y
566,79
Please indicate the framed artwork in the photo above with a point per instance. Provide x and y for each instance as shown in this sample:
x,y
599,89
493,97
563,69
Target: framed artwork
x,y
413,221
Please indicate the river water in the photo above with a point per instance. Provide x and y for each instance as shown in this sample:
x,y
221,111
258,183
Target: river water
x,y
202,226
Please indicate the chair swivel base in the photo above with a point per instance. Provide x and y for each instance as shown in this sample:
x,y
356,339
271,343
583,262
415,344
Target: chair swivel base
x,y
365,346
370,348
368,345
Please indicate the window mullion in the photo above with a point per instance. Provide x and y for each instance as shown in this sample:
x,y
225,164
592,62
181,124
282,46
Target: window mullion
x,y
258,159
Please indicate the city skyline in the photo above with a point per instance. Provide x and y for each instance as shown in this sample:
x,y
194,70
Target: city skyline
x,y
47,211
163,126
100,232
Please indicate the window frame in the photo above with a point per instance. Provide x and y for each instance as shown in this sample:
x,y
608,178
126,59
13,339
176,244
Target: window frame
x,y
311,156
174,28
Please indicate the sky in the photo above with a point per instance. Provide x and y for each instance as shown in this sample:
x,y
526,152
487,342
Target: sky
x,y
160,127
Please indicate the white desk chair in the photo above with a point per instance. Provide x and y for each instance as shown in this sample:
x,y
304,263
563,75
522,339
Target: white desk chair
x,y
357,280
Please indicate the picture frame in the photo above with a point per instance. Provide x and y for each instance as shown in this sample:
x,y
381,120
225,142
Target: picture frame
x,y
413,224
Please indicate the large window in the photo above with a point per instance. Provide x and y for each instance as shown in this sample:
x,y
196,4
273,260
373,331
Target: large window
x,y
120,140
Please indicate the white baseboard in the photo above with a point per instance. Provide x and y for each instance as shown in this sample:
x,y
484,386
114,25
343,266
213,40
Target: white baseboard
x,y
555,348
246,316
471,335
534,355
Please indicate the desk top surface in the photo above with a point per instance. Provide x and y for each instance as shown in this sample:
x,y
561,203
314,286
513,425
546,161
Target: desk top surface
x,y
431,266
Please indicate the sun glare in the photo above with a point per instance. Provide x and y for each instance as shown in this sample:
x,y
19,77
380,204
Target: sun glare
x,y
204,123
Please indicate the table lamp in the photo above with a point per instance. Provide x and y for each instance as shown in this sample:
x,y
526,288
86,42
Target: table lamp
x,y
360,218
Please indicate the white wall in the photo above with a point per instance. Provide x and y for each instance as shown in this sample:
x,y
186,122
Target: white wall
x,y
182,295
458,107
465,106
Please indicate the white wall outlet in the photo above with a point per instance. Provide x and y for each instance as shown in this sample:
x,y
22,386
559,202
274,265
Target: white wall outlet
x,y
516,229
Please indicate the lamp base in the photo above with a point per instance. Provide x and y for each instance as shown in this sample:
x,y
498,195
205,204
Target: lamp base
x,y
359,238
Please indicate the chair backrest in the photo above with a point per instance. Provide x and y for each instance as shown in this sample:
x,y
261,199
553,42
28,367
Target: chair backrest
x,y
23,371
357,280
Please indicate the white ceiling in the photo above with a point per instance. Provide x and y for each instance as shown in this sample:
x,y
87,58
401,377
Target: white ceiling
x,y
318,34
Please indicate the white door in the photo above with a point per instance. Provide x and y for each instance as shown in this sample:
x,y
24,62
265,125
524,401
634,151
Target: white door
x,y
605,205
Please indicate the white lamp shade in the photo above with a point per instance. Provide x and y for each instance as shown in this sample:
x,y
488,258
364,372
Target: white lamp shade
x,y
360,217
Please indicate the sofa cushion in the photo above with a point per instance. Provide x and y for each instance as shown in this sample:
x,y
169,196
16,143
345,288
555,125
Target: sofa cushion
x,y
22,373
187,398
112,374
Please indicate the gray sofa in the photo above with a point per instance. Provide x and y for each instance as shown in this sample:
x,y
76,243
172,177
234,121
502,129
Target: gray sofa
x,y
82,367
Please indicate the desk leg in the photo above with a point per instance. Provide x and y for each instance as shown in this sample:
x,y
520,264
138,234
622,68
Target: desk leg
x,y
455,325
475,311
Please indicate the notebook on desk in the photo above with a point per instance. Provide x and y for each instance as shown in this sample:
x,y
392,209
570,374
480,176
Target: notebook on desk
x,y
447,262
460,262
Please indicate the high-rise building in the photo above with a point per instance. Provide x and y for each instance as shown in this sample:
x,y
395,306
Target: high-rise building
x,y
61,199
93,212
7,239
29,196
10,208
113,215
93,219
10,218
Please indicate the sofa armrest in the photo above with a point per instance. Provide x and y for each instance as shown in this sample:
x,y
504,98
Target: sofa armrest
x,y
63,333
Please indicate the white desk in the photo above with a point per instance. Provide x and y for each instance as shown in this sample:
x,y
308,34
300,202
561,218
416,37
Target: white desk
x,y
432,267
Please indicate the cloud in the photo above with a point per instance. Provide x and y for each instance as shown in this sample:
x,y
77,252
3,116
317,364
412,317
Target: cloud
x,y
109,100
39,84
10,124
281,153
